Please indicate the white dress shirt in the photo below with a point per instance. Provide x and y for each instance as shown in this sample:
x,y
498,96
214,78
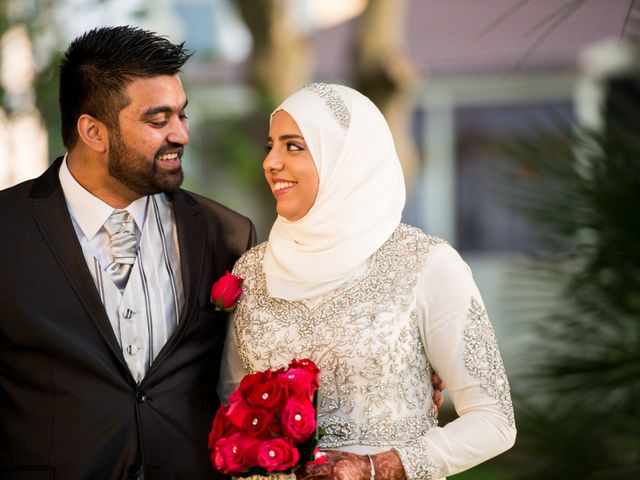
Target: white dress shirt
x,y
89,214
146,312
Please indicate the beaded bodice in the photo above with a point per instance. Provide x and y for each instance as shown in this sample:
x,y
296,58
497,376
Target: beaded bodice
x,y
375,386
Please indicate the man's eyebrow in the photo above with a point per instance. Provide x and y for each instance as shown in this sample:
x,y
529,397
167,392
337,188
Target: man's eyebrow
x,y
161,109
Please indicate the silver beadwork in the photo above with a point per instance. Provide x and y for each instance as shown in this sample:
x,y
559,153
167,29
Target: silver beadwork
x,y
334,102
483,360
375,380
341,431
375,390
416,461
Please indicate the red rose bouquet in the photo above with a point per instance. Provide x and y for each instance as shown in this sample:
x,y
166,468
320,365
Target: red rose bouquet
x,y
269,425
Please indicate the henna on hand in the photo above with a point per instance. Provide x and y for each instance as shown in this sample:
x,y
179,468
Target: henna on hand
x,y
339,466
351,466
388,466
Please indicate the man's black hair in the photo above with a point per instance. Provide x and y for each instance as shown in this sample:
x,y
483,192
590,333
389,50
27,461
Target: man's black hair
x,y
99,65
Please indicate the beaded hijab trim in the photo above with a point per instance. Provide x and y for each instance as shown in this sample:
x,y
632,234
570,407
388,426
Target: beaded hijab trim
x,y
334,102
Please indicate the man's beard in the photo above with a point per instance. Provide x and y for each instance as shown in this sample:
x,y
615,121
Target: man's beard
x,y
136,172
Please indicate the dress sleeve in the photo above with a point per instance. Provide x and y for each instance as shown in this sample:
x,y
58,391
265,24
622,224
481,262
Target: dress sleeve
x,y
231,368
461,346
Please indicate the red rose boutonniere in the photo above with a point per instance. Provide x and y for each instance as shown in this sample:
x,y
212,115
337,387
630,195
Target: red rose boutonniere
x,y
225,292
270,424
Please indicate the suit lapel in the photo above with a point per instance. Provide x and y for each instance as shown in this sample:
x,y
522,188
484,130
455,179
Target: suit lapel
x,y
52,217
191,241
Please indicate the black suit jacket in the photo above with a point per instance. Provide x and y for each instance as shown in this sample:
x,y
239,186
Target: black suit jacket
x,y
69,407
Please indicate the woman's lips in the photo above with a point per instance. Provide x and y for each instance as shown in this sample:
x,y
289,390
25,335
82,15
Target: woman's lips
x,y
280,187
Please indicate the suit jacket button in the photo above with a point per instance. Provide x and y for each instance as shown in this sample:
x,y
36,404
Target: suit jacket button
x,y
134,472
141,397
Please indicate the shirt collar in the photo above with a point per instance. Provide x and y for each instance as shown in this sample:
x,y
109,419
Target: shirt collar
x,y
89,211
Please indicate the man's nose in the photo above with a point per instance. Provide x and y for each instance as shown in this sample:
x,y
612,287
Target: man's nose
x,y
179,132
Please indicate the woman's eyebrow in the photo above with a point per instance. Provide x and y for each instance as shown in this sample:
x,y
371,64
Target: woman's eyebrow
x,y
290,136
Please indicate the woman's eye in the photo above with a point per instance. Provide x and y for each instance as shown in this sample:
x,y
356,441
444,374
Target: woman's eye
x,y
268,148
294,147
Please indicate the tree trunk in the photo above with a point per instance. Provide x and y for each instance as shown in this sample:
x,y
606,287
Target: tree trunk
x,y
280,60
385,73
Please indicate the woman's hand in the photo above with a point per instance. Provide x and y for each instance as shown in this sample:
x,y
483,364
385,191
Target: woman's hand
x,y
351,466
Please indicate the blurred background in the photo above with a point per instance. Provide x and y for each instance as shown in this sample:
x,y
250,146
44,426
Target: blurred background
x,y
517,125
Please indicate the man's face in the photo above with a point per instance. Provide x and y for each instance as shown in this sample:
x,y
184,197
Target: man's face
x,y
145,151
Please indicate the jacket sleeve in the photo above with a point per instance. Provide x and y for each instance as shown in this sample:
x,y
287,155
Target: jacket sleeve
x,y
231,369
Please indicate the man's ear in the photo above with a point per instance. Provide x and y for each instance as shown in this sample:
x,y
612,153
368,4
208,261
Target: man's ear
x,y
93,133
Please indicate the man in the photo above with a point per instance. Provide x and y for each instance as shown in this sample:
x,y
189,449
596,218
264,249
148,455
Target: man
x,y
109,345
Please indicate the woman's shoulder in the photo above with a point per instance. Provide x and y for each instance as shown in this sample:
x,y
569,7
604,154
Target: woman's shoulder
x,y
410,231
414,239
410,241
407,249
250,261
436,257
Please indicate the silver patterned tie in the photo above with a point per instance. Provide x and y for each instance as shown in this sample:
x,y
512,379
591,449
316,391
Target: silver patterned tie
x,y
120,228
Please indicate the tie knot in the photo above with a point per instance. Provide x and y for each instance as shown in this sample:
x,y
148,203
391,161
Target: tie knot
x,y
118,221
122,237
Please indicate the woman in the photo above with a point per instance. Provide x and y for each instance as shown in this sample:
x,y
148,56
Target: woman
x,y
376,304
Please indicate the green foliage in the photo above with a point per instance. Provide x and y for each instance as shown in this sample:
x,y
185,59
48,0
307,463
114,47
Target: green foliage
x,y
46,87
46,35
39,20
235,147
230,151
579,416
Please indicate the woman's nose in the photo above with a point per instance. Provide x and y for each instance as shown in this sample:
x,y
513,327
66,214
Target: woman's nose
x,y
272,161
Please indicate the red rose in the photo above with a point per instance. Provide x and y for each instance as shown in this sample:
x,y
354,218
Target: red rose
x,y
301,381
269,414
239,406
238,411
318,457
225,292
247,384
307,364
257,422
299,419
277,455
269,394
235,454
221,426
251,381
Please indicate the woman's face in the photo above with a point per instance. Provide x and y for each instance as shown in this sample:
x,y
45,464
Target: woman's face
x,y
289,168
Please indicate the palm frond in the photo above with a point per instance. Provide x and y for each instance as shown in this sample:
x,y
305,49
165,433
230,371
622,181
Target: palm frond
x,y
579,415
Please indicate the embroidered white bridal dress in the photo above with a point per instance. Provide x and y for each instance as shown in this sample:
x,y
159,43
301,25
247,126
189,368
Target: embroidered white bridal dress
x,y
377,339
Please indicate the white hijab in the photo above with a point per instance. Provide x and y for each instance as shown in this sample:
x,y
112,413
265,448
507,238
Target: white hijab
x,y
360,196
